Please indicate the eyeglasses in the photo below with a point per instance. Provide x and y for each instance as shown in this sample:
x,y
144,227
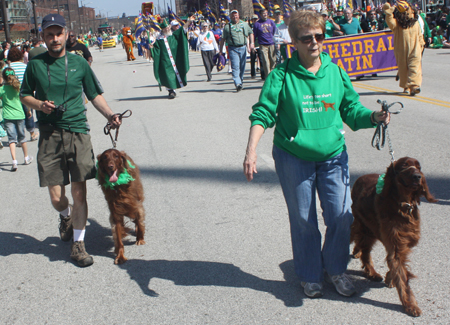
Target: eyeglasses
x,y
307,39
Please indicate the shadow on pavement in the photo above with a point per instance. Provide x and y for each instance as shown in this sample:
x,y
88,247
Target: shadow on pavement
x,y
202,273
54,249
210,91
141,98
149,86
218,175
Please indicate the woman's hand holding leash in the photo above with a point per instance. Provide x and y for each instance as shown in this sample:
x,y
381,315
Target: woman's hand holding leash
x,y
382,116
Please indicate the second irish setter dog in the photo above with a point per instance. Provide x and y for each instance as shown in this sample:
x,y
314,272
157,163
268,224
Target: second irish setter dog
x,y
392,217
118,176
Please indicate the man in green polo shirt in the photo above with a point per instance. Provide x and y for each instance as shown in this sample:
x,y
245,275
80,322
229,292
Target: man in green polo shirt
x,y
53,84
239,37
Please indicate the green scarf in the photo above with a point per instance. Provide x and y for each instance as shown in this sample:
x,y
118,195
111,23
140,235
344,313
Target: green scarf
x,y
123,178
380,184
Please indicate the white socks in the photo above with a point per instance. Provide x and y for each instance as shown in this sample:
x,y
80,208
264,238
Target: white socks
x,y
65,213
78,235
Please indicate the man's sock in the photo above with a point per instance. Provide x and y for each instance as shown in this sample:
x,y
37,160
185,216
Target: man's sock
x,y
78,235
65,213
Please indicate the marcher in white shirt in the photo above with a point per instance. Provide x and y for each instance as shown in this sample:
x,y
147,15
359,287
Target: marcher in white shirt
x,y
207,44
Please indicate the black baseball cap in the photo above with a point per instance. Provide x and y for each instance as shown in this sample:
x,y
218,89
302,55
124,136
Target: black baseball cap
x,y
53,20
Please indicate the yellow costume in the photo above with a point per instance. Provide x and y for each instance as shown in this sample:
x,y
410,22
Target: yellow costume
x,y
128,40
408,45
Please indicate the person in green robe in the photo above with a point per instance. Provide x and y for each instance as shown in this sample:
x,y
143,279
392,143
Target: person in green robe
x,y
171,56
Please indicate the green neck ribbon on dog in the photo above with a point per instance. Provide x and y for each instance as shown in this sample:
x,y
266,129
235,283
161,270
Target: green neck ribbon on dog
x,y
122,179
380,184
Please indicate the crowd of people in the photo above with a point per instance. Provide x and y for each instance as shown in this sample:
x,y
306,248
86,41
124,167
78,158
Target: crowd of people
x,y
270,35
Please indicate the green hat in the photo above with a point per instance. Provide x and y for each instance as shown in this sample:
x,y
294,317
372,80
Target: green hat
x,y
163,24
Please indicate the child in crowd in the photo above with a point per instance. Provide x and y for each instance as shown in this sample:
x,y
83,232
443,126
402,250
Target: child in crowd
x,y
13,115
439,40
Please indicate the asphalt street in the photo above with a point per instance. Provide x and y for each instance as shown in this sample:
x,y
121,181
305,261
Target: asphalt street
x,y
217,248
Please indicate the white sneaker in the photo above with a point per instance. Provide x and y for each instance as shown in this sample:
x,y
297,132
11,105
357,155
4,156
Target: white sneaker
x,y
28,160
14,167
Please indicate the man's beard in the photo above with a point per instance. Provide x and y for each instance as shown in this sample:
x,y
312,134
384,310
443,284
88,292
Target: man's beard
x,y
167,34
57,52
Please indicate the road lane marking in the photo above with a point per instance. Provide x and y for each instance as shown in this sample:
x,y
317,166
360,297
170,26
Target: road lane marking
x,y
401,94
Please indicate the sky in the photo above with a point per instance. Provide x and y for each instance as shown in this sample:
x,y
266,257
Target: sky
x,y
114,8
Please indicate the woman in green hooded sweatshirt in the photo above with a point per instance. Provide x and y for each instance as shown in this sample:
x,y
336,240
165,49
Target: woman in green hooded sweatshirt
x,y
307,99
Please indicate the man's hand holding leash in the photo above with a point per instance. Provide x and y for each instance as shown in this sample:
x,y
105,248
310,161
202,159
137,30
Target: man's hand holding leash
x,y
47,107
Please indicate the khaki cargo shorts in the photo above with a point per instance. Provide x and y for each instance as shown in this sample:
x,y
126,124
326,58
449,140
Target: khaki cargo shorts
x,y
63,153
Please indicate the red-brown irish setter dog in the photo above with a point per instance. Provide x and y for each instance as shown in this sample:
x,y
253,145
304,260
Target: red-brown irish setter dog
x,y
118,176
390,213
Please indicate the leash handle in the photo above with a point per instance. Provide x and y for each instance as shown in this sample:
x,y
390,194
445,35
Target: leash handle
x,y
379,137
107,129
385,106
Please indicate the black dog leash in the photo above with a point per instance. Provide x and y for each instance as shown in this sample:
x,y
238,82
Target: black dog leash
x,y
107,128
379,137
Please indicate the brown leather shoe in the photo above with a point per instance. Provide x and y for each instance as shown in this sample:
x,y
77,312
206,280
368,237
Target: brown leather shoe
x,y
78,253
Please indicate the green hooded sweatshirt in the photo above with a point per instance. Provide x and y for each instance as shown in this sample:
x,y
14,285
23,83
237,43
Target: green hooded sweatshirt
x,y
309,110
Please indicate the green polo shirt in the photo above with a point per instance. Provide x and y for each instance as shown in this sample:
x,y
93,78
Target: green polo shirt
x,y
80,77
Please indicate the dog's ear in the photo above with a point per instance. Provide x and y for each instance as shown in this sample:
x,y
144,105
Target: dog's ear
x,y
124,157
426,192
389,180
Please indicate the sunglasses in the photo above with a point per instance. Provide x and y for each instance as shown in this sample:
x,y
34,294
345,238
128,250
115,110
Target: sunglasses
x,y
307,39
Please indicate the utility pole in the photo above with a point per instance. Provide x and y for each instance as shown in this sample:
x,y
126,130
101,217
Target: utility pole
x,y
5,21
79,17
35,18
70,18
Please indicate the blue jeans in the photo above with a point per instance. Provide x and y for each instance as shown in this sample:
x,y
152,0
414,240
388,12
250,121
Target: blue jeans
x,y
238,58
15,130
29,121
299,180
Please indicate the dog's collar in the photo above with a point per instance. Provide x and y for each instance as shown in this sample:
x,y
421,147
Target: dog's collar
x,y
408,207
380,184
122,179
